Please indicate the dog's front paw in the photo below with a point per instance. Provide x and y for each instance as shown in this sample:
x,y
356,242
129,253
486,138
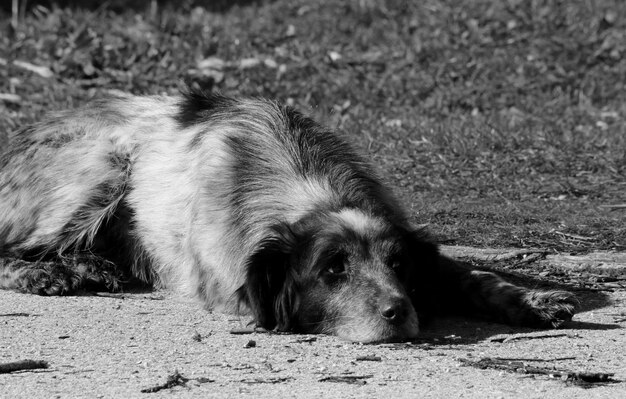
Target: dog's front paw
x,y
51,281
547,308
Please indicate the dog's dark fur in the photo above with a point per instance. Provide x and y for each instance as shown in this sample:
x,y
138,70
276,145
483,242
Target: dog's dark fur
x,y
245,204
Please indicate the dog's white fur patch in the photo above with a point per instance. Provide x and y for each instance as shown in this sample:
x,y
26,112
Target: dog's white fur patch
x,y
304,195
359,221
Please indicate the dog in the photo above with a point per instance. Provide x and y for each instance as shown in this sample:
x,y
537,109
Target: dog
x,y
248,205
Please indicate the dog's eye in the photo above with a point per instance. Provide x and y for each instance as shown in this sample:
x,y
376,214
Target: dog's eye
x,y
336,265
394,261
336,269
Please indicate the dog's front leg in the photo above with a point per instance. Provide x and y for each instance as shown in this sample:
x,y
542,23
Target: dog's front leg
x,y
461,288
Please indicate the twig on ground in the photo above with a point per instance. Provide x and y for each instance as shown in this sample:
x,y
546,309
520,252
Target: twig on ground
x,y
369,358
273,380
125,295
348,379
305,340
580,378
79,371
16,314
247,330
173,380
528,359
22,365
509,338
493,255
574,236
110,295
614,207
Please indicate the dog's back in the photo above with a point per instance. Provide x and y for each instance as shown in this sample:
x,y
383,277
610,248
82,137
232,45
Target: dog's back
x,y
59,179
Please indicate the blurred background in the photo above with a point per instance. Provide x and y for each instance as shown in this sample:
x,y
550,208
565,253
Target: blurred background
x,y
499,122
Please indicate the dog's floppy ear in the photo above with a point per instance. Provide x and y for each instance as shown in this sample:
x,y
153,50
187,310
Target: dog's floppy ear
x,y
270,288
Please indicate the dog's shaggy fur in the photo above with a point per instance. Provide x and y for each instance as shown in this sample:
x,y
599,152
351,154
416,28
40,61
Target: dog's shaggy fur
x,y
245,204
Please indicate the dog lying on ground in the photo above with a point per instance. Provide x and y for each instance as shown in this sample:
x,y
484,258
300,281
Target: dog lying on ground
x,y
245,204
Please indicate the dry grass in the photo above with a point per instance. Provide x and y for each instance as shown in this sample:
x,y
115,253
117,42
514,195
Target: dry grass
x,y
500,122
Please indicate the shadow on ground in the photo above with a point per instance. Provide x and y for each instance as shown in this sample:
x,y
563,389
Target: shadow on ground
x,y
589,298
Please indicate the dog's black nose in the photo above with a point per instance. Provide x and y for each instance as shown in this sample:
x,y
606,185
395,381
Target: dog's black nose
x,y
392,309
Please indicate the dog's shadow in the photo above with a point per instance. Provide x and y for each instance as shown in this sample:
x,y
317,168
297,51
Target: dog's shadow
x,y
448,330
589,299
451,330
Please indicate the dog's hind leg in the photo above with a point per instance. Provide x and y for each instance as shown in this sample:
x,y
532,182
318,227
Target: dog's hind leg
x,y
64,275
461,289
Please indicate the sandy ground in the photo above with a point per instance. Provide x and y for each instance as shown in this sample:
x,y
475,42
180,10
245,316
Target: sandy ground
x,y
117,346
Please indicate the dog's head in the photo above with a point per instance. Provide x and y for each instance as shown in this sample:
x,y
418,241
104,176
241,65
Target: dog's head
x,y
344,273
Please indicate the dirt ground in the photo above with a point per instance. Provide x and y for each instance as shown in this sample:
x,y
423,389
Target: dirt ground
x,y
118,345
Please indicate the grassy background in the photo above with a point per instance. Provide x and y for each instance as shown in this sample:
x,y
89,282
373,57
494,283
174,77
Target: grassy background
x,y
499,122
